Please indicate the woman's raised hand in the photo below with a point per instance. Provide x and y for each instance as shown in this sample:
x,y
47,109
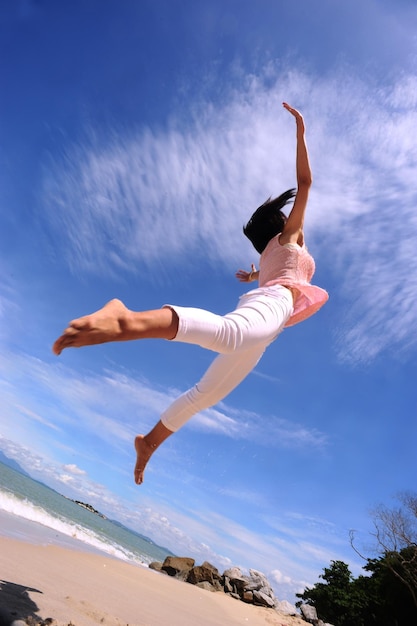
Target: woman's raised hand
x,y
298,117
247,277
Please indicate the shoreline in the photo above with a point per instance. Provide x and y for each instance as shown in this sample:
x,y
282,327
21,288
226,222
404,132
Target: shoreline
x,y
83,588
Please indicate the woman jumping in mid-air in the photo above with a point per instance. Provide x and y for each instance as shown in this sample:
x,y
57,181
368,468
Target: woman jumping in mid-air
x,y
284,297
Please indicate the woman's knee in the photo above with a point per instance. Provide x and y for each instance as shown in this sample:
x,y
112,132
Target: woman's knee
x,y
173,322
158,324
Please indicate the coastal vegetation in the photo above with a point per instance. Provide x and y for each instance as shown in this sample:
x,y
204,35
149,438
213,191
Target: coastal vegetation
x,y
387,594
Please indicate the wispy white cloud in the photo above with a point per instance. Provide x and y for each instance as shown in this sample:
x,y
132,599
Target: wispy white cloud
x,y
23,410
74,469
242,424
92,403
115,198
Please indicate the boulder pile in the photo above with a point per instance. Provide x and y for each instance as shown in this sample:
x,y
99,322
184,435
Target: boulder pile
x,y
253,589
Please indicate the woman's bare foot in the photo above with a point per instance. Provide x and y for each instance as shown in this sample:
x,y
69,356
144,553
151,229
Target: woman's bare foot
x,y
144,452
104,325
145,446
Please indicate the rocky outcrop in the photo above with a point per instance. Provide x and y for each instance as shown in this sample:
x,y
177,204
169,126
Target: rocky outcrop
x,y
90,508
253,589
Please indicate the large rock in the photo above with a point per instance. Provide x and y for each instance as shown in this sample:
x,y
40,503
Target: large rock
x,y
309,613
227,585
176,565
263,599
157,566
247,596
263,594
254,583
205,573
259,582
234,581
233,572
237,585
254,588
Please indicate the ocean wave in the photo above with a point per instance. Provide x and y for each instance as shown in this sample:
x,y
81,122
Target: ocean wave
x,y
24,508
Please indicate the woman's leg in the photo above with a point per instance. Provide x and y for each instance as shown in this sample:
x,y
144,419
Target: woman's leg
x,y
248,325
258,319
240,336
260,324
223,375
115,322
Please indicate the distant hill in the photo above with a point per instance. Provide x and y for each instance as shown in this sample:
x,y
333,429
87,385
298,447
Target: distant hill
x,y
13,464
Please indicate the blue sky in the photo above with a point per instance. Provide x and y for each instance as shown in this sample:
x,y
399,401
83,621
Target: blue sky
x,y
136,138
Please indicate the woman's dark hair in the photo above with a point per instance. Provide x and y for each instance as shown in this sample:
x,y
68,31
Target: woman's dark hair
x,y
267,221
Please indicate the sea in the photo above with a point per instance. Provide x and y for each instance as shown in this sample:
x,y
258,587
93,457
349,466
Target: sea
x,y
31,511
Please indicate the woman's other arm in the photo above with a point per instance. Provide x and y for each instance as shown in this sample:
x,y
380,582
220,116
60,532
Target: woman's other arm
x,y
293,229
247,277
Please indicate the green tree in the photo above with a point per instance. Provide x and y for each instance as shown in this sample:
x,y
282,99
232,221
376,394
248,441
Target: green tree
x,y
387,596
377,599
338,600
395,604
396,534
396,543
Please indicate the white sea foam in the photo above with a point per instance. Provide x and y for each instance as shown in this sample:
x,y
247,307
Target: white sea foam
x,y
24,509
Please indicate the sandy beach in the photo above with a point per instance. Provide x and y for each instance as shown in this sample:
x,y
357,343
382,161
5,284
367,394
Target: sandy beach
x,y
82,589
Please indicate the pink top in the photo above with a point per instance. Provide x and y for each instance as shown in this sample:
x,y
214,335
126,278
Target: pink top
x,y
292,266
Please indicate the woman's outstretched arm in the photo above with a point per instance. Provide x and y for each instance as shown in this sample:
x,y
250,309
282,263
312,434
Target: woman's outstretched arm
x,y
293,230
247,277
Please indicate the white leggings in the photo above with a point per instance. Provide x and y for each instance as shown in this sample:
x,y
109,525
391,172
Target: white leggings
x,y
240,338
